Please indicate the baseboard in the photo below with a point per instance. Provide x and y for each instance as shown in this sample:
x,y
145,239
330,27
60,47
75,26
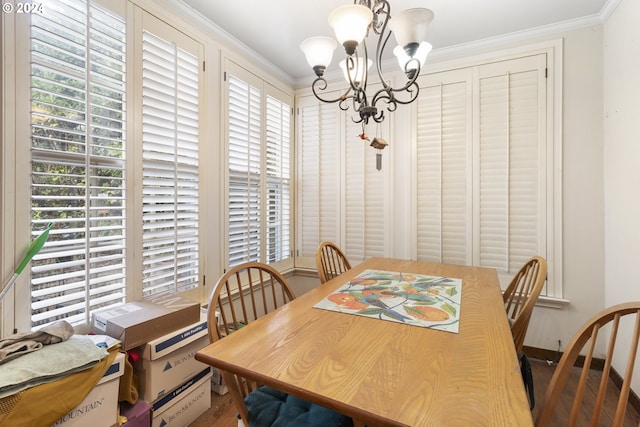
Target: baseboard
x,y
597,364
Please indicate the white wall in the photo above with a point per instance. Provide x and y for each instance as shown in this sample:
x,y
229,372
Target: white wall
x,y
622,152
622,156
583,193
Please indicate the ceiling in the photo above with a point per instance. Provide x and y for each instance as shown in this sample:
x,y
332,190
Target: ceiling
x,y
275,28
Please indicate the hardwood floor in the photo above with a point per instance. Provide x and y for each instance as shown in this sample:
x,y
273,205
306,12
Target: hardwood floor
x,y
223,414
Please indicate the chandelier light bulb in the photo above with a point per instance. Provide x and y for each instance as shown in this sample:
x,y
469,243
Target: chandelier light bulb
x,y
410,27
420,56
319,52
358,74
350,23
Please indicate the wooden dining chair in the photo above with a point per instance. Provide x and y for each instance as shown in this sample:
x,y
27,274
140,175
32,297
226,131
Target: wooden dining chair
x,y
599,334
243,294
330,261
521,295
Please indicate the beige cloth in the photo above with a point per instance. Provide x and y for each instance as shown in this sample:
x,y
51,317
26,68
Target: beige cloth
x,y
128,390
43,405
26,342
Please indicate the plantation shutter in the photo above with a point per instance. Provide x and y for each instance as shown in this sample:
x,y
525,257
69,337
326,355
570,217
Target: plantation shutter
x,y
443,173
244,145
342,197
511,142
278,176
259,182
78,160
366,192
170,109
319,165
481,165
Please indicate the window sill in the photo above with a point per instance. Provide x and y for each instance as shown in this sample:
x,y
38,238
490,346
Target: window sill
x,y
552,302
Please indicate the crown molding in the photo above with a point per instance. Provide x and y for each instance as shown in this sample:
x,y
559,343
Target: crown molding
x,y
227,40
231,42
608,9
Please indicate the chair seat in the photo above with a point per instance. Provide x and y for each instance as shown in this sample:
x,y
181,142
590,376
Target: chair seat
x,y
272,408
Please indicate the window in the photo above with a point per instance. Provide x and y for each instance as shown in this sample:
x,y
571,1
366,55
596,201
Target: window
x,y
259,170
78,146
170,150
126,215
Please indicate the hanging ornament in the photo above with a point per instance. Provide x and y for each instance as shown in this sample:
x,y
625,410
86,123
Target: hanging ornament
x,y
379,144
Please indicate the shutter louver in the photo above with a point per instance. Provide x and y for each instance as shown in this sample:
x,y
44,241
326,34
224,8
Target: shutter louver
x,y
481,186
442,150
510,170
278,167
366,196
170,167
342,197
319,188
78,161
244,158
309,180
259,170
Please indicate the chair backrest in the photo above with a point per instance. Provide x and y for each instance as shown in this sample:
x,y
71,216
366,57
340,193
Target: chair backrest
x,y
521,295
330,261
243,294
585,342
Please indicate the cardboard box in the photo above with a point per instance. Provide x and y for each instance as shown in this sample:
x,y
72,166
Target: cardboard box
x,y
169,361
100,406
138,415
175,339
137,323
183,405
217,383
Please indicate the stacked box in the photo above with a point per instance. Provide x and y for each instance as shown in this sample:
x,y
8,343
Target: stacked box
x,y
169,361
100,406
217,383
183,405
137,415
135,323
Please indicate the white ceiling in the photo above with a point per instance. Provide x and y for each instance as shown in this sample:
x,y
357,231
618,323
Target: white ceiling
x,y
275,28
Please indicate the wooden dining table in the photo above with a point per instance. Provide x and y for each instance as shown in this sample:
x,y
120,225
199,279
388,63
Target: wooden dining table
x,y
386,373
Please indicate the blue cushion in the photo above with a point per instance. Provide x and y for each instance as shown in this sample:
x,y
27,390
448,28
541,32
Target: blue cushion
x,y
272,408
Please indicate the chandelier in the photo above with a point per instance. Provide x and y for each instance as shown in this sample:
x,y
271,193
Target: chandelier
x,y
352,24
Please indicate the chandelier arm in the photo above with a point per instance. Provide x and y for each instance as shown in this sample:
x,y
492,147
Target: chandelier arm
x,y
384,9
382,41
352,64
380,117
412,89
365,71
386,95
360,120
389,96
321,84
